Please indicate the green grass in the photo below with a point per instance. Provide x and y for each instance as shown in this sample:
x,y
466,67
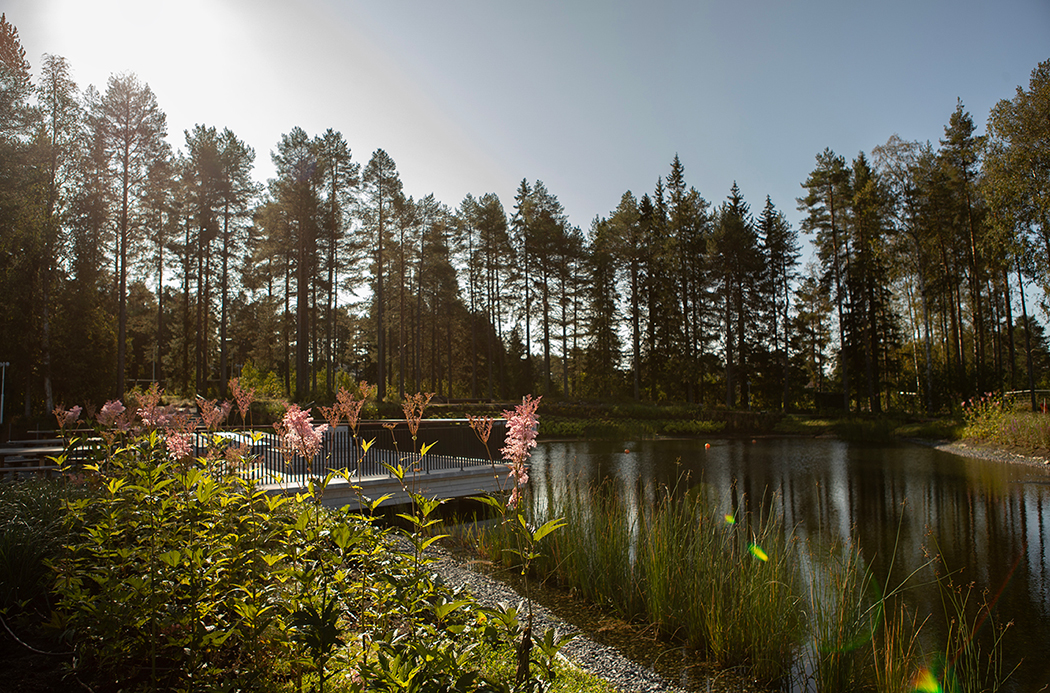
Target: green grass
x,y
31,532
727,588
861,428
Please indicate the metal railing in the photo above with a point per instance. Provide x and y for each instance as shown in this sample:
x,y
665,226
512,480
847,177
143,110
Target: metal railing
x,y
453,446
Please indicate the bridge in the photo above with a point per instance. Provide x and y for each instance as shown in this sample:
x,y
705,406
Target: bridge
x,y
455,465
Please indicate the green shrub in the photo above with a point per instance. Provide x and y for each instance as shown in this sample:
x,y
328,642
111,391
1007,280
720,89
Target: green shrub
x,y
177,578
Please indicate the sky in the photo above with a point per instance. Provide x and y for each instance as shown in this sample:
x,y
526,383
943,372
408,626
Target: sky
x,y
593,97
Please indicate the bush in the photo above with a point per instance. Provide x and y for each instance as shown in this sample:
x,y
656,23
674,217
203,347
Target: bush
x,y
177,578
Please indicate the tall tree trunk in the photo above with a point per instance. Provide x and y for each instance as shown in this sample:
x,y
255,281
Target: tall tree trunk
x,y
224,301
122,289
1011,348
1027,339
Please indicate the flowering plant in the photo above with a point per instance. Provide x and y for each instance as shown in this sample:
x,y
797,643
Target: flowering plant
x,y
520,440
67,417
298,434
522,425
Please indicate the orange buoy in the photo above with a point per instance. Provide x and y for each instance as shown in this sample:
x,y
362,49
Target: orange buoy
x,y
707,446
626,451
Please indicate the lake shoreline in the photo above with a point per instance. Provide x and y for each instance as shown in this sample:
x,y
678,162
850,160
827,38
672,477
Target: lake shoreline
x,y
982,451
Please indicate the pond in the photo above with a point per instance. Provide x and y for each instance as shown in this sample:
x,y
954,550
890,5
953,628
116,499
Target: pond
x,y
989,521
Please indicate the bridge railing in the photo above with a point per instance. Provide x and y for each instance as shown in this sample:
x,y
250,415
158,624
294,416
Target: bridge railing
x,y
453,446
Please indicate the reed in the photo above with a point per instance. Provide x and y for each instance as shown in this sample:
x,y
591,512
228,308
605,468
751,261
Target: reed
x,y
726,588
845,613
743,589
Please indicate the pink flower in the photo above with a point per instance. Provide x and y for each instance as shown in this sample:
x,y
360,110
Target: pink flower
x,y
150,412
179,445
350,407
212,413
414,406
67,418
520,440
521,430
298,434
244,397
112,414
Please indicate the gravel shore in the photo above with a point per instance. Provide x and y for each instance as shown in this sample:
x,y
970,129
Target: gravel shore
x,y
986,452
600,660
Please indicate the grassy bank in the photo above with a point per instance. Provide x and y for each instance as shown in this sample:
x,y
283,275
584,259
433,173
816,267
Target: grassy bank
x,y
993,420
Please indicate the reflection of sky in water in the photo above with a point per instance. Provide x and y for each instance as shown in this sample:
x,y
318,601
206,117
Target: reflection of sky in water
x,y
981,517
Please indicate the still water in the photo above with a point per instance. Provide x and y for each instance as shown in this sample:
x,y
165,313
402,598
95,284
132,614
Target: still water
x,y
990,521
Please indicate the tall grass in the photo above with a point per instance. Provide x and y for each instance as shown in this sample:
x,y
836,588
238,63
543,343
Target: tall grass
x,y
846,612
746,592
727,587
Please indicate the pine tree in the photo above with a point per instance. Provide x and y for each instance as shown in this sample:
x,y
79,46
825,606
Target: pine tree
x,y
824,206
780,249
381,188
237,194
606,249
339,177
960,155
134,131
296,192
736,264
626,229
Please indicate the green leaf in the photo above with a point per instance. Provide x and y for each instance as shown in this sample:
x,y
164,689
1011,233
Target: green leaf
x,y
548,527
443,610
431,540
172,557
272,558
488,500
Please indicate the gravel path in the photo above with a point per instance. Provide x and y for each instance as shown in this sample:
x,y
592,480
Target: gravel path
x,y
600,660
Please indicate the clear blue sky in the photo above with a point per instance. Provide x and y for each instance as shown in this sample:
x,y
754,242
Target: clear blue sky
x,y
592,97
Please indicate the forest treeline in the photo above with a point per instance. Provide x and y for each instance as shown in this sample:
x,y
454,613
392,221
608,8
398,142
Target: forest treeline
x,y
125,261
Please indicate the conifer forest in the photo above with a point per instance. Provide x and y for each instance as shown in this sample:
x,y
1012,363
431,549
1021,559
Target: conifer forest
x,y
917,278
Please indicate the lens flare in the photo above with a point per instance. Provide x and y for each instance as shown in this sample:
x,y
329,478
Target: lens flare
x,y
757,552
926,682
